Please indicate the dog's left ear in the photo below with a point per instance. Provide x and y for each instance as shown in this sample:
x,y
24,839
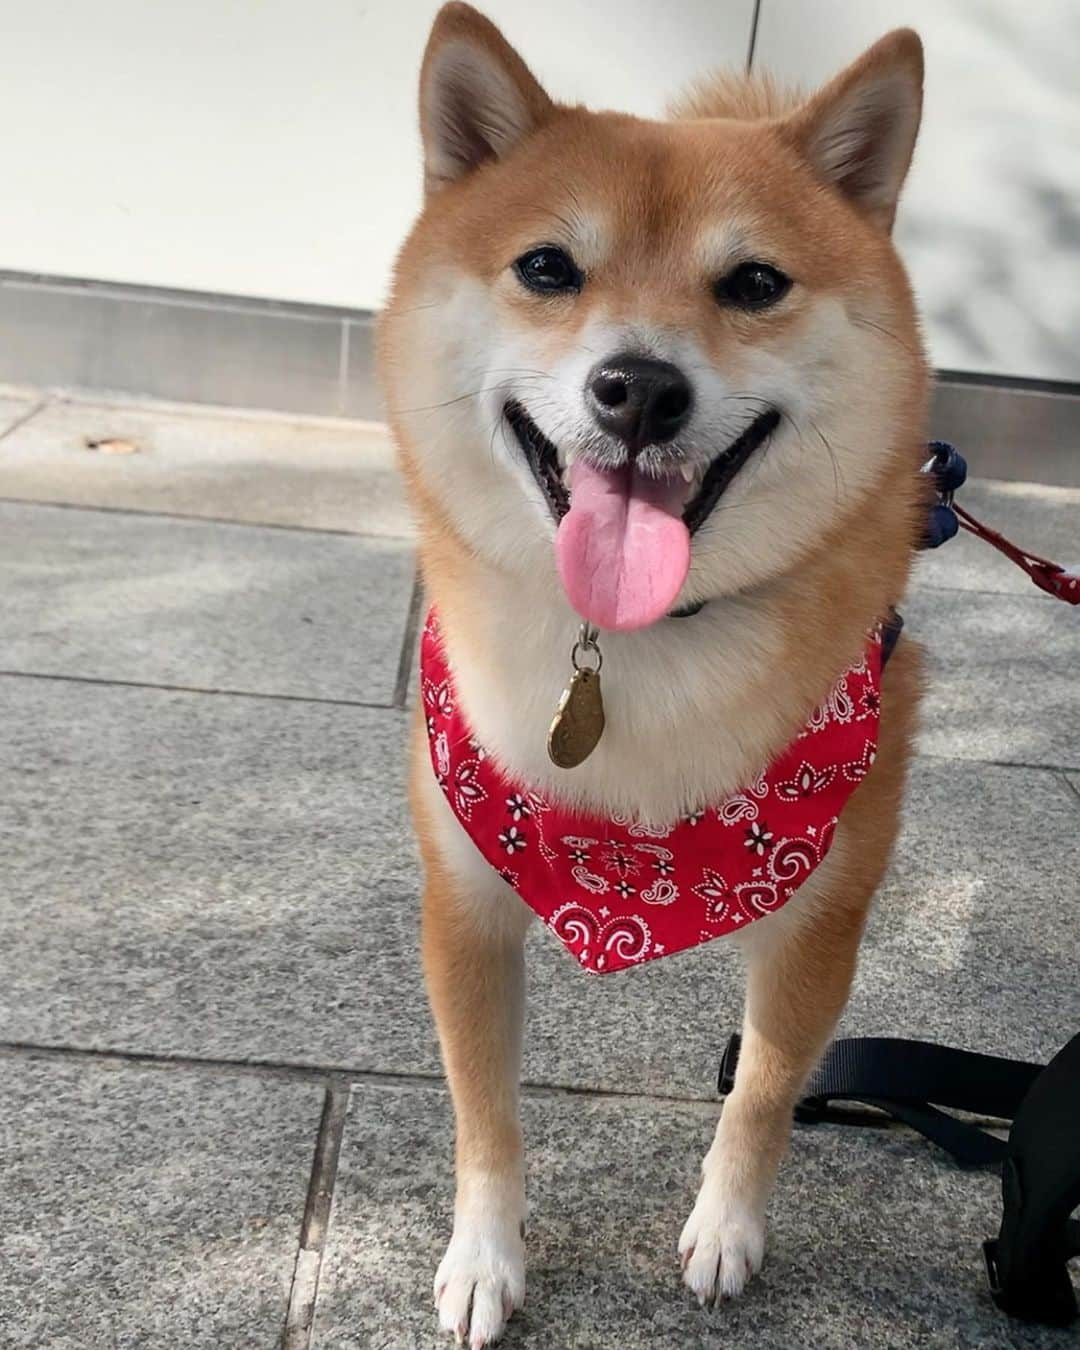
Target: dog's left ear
x,y
858,132
478,98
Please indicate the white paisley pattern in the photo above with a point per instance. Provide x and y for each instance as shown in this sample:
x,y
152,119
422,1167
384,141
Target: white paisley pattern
x,y
743,805
594,943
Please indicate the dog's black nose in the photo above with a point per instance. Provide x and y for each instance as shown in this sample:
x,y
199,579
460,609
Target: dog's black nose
x,y
642,401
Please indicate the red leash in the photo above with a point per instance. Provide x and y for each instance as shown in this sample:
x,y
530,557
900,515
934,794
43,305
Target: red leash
x,y
1048,576
949,471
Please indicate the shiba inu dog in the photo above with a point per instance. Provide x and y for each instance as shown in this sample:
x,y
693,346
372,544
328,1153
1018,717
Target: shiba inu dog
x,y
664,378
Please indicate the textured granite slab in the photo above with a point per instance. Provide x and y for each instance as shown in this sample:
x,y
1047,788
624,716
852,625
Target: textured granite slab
x,y
1004,682
148,1207
201,875
875,1238
128,597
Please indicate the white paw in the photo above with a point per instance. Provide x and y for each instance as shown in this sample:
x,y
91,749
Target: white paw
x,y
722,1244
480,1280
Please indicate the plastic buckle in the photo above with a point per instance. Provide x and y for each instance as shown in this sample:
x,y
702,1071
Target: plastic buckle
x,y
1049,1299
992,1278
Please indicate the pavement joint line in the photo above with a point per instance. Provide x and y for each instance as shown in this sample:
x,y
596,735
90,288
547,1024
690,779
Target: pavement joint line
x,y
25,417
998,763
408,642
304,1292
337,1078
1072,785
338,1082
102,682
196,519
309,1073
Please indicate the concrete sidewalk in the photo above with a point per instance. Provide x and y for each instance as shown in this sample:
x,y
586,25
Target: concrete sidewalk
x,y
222,1119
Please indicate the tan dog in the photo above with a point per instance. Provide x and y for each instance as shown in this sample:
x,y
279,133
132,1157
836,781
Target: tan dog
x,y
738,257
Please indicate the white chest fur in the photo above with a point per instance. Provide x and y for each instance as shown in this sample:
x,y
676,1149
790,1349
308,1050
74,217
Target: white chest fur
x,y
690,715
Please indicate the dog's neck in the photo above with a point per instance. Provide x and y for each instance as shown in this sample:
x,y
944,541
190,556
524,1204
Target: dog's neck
x,y
695,707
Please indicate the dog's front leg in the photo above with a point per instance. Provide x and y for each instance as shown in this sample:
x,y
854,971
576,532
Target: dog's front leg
x,y
799,970
473,945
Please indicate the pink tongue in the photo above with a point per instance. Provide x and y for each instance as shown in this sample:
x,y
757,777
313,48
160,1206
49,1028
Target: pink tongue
x,y
622,549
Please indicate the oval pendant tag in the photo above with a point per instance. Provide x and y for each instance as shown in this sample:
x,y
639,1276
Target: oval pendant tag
x,y
578,723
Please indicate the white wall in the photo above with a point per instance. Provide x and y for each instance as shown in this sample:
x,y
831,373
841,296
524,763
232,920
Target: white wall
x,y
990,219
268,147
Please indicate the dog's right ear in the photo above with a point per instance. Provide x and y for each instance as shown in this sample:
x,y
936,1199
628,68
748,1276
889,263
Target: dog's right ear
x,y
859,131
478,98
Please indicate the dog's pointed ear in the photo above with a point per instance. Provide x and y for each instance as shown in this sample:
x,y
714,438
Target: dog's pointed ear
x,y
858,132
478,98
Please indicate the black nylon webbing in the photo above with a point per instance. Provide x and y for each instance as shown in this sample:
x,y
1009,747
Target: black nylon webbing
x,y
911,1080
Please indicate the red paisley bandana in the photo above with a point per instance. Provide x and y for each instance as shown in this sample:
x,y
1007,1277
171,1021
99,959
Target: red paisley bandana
x,y
617,892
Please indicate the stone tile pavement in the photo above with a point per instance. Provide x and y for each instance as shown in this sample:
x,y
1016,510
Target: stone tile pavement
x,y
221,1118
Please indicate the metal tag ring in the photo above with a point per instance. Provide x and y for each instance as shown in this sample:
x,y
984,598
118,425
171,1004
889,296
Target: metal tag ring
x,y
586,643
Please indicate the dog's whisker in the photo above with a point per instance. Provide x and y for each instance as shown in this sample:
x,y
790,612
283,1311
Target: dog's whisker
x,y
412,309
885,332
521,370
460,398
837,476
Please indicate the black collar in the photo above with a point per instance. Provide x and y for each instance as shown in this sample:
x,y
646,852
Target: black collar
x,y
891,627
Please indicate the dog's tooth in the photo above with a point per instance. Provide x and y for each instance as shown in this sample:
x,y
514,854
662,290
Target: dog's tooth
x,y
569,455
689,472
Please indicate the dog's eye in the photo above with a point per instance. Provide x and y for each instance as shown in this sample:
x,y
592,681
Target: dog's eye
x,y
548,269
752,285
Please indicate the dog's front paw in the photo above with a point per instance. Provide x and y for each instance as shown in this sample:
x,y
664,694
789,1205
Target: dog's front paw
x,y
722,1244
481,1279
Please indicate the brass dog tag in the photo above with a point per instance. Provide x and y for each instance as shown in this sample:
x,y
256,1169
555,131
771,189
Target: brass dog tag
x,y
578,723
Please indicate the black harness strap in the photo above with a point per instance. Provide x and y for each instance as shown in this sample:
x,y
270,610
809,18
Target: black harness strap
x,y
911,1080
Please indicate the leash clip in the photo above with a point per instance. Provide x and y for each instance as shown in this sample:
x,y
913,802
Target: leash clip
x,y
948,468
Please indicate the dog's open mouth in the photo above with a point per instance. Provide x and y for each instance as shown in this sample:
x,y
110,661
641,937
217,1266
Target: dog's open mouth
x,y
622,545
542,458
